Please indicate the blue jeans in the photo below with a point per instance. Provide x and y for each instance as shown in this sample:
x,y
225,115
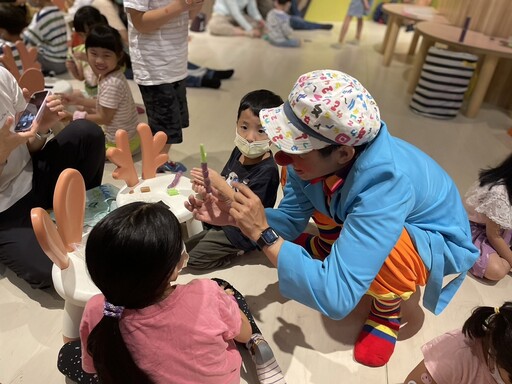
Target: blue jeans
x,y
290,43
299,24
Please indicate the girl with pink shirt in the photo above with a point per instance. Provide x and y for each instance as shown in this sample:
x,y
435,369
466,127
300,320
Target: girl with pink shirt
x,y
480,353
142,328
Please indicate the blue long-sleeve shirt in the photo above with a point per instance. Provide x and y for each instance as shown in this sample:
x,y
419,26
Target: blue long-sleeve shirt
x,y
392,185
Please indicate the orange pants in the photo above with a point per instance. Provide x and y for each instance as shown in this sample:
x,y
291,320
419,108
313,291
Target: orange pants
x,y
402,271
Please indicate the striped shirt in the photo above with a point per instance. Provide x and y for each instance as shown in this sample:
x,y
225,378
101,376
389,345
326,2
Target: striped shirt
x,y
158,57
15,54
114,93
47,31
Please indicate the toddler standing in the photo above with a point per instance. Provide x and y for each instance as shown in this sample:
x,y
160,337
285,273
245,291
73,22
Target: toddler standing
x,y
358,9
488,202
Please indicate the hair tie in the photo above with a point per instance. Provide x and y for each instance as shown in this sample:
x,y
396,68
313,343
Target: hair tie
x,y
496,310
112,310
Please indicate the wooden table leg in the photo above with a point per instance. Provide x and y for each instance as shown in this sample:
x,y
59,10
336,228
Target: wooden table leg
x,y
414,43
382,48
419,59
393,36
482,83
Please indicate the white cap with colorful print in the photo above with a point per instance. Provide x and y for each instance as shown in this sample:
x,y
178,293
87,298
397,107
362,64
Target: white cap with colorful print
x,y
325,107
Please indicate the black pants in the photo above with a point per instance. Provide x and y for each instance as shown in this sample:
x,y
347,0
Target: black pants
x,y
69,362
81,145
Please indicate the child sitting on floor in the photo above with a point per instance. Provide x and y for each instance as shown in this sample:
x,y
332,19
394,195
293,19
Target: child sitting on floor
x,y
114,107
144,329
480,354
251,161
489,206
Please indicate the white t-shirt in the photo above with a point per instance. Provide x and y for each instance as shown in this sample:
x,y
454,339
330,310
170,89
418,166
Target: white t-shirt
x,y
16,177
159,57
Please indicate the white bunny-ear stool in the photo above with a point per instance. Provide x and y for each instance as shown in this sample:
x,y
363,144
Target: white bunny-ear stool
x,y
62,245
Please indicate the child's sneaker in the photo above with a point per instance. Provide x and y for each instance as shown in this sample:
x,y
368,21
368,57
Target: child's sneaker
x,y
171,166
353,42
267,369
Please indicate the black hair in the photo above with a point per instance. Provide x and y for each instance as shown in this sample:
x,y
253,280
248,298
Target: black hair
x,y
104,36
130,255
258,100
87,17
501,174
283,2
493,328
12,18
326,151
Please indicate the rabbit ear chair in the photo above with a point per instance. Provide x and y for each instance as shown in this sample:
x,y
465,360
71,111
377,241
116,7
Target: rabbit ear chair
x,y
69,208
69,273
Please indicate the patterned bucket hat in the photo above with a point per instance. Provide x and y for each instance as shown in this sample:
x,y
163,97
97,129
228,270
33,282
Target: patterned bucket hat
x,y
324,107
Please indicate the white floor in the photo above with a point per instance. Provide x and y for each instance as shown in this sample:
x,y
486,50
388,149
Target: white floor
x,y
309,347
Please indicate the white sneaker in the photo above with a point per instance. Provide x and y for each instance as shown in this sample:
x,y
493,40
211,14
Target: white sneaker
x,y
353,42
337,45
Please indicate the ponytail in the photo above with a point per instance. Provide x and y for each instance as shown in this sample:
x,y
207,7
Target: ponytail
x,y
493,326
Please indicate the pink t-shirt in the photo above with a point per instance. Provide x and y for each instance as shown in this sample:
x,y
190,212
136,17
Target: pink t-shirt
x,y
452,358
186,338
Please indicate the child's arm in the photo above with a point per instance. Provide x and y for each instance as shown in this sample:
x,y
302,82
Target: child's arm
x,y
245,330
217,181
103,115
150,21
493,232
75,68
420,374
366,4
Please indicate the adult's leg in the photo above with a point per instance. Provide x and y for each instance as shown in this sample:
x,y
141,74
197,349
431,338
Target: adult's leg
x,y
220,25
397,280
210,249
51,67
69,364
299,24
81,145
19,248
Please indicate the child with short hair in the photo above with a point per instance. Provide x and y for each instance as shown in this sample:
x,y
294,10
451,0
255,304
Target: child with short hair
x,y
252,162
158,39
13,20
114,106
193,327
358,9
489,206
48,32
480,353
278,25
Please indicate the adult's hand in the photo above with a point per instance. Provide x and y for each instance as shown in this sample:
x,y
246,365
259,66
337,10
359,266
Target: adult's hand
x,y
210,210
10,140
248,212
53,112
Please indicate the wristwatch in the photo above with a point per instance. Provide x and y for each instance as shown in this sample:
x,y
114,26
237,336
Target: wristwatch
x,y
42,136
267,238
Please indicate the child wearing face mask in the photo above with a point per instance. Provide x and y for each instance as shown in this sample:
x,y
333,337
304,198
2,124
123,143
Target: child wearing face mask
x,y
252,163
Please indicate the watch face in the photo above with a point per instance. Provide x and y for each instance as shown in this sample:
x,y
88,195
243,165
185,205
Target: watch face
x,y
269,236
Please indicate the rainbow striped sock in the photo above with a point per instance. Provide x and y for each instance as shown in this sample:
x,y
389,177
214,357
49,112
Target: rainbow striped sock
x,y
377,339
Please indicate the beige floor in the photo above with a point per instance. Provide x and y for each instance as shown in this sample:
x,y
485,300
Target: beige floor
x,y
310,348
